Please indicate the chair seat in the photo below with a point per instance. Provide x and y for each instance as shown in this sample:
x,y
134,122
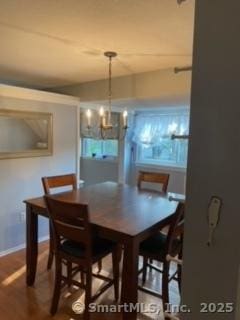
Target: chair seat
x,y
100,247
156,246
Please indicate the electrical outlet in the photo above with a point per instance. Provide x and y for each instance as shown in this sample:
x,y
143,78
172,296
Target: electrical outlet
x,y
22,216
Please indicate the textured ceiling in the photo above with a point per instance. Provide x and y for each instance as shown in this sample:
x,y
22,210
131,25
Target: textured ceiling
x,y
49,43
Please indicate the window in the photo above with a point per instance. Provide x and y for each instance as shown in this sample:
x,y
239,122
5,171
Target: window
x,y
152,134
100,148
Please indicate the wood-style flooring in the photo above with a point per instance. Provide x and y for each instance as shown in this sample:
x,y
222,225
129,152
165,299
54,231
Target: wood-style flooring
x,y
19,302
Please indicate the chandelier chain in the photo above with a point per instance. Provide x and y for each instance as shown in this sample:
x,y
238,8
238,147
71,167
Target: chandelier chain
x,y
110,90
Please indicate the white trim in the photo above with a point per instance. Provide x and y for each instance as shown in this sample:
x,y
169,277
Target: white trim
x,y
78,141
37,95
20,247
108,159
121,157
166,167
81,182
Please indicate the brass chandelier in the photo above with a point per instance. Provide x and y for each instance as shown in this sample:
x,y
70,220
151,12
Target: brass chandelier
x,y
105,116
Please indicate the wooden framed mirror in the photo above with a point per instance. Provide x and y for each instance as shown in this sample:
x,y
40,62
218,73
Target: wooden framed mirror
x,y
25,134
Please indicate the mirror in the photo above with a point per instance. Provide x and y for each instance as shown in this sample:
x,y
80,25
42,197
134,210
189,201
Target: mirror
x,y
25,134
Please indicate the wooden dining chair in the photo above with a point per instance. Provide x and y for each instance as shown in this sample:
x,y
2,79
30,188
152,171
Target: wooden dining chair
x,y
50,184
54,183
159,247
157,181
75,242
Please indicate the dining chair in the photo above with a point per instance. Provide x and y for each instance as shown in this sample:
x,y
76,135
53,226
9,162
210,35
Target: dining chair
x,y
157,181
75,242
159,247
154,181
54,183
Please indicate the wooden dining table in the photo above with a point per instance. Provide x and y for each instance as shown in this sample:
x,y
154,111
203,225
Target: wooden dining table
x,y
120,213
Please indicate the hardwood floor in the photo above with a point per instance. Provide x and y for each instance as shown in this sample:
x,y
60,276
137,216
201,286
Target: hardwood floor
x,y
19,302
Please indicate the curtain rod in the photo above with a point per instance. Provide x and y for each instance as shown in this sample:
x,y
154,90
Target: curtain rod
x,y
180,136
184,112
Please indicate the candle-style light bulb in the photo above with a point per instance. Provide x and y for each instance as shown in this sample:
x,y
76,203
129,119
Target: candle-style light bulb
x,y
89,115
101,112
125,115
102,116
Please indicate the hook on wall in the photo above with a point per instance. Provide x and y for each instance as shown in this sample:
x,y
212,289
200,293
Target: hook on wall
x,y
181,69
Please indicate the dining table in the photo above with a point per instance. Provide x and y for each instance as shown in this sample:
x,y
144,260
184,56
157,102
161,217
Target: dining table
x,y
118,212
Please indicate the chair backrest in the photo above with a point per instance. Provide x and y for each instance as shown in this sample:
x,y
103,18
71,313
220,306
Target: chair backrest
x,y
153,178
58,182
176,228
70,221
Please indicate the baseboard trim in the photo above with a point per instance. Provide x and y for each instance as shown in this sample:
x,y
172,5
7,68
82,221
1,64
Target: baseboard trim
x,y
20,247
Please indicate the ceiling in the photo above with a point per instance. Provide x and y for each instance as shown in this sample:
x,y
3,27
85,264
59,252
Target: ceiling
x,y
51,43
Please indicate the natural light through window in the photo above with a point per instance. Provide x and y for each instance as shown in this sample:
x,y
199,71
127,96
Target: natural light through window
x,y
21,271
152,136
96,148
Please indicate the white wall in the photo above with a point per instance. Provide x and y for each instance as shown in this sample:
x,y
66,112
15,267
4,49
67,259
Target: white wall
x,y
21,178
96,171
210,274
163,86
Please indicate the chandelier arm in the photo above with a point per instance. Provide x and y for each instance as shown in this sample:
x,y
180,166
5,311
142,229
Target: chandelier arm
x,y
101,131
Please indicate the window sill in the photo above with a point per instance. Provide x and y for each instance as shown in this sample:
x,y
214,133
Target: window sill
x,y
108,159
162,166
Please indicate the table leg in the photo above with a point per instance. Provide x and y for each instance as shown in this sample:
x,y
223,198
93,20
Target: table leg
x,y
130,278
32,244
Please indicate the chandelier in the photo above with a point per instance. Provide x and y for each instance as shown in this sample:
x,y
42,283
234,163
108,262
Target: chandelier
x,y
105,116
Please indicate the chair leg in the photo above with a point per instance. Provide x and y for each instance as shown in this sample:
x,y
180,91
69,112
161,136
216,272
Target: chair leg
x,y
57,286
165,285
150,262
99,266
50,255
119,249
145,261
179,272
115,264
179,277
82,278
69,273
88,293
